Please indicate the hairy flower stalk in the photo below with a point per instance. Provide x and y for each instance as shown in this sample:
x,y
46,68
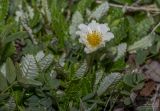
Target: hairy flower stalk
x,y
94,35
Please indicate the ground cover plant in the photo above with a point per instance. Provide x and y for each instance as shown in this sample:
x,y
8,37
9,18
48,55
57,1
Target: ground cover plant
x,y
79,55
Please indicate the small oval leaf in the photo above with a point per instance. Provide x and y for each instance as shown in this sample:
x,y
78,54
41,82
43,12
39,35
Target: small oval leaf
x,y
10,71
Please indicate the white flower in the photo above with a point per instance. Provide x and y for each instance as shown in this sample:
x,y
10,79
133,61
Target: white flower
x,y
94,35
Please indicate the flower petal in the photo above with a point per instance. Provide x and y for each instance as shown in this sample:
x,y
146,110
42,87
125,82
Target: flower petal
x,y
108,36
84,28
104,28
88,50
94,26
82,40
80,33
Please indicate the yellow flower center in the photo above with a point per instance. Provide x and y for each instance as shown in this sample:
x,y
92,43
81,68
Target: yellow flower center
x,y
94,38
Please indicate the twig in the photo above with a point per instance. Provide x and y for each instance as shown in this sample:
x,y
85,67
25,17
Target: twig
x,y
154,29
149,8
15,82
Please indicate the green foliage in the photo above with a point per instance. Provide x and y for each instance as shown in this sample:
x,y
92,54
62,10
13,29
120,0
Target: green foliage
x,y
6,38
119,65
107,81
59,24
82,70
121,50
83,4
36,19
119,28
98,78
10,71
141,56
3,82
132,80
9,106
100,11
4,5
76,20
38,104
14,36
158,3
123,1
33,65
141,44
44,67
139,29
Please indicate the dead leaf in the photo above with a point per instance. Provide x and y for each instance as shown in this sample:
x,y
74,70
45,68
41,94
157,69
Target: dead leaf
x,y
133,96
131,60
156,104
148,88
152,71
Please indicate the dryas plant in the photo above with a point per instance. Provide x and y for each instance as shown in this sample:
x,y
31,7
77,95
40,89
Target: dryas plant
x,y
74,57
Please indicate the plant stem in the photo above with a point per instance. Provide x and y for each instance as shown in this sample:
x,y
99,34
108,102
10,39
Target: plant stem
x,y
136,8
8,87
154,29
148,8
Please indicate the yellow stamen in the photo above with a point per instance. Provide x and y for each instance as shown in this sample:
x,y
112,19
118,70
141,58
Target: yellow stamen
x,y
94,38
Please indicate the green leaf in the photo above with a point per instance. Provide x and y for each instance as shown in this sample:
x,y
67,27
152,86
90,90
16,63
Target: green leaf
x,y
141,56
43,60
29,67
18,96
3,82
83,5
100,11
133,80
59,23
123,1
32,65
107,81
14,36
18,71
143,43
99,76
144,26
82,70
10,105
121,50
10,71
158,3
4,5
118,65
138,29
7,51
29,82
119,29
7,30
76,20
36,19
30,45
53,83
127,101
